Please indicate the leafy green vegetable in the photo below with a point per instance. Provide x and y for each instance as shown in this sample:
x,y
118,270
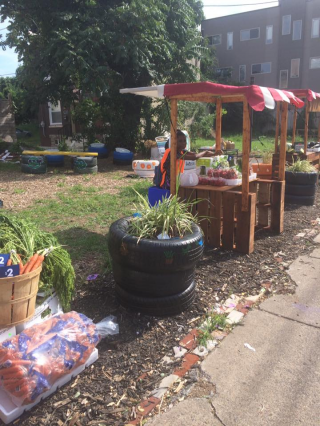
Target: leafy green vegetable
x,y
26,239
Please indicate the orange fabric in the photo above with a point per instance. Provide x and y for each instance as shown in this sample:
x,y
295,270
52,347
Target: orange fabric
x,y
179,166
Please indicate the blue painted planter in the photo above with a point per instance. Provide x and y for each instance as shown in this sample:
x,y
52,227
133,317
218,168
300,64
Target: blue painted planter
x,y
156,194
55,160
100,149
122,158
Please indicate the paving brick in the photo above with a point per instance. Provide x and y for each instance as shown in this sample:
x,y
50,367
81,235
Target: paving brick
x,y
218,334
144,408
188,361
241,308
190,341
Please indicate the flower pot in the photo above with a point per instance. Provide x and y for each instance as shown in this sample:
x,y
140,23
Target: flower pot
x,y
153,276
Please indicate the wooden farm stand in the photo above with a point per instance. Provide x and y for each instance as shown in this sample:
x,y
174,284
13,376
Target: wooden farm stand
x,y
231,209
312,102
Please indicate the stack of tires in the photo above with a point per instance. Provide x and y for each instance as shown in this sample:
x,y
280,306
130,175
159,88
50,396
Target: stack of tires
x,y
154,277
122,157
85,165
33,164
301,188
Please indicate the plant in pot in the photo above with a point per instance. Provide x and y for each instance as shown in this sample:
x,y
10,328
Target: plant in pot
x,y
154,255
301,181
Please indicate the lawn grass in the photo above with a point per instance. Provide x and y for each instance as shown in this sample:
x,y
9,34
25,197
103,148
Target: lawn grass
x,y
80,217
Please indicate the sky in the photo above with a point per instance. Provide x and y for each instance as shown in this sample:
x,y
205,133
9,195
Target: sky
x,y
9,59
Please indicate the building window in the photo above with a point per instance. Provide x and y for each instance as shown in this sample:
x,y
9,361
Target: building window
x,y
283,79
286,24
242,73
295,68
297,30
315,29
229,41
55,115
269,34
223,74
214,40
249,34
263,68
314,63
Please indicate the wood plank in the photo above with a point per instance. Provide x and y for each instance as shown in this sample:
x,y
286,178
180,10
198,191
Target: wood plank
x,y
228,208
173,152
283,140
276,140
319,131
294,125
218,124
215,211
277,209
245,156
190,195
246,225
306,126
203,211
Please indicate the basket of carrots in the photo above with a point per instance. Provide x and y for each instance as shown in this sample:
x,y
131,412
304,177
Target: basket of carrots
x,y
18,293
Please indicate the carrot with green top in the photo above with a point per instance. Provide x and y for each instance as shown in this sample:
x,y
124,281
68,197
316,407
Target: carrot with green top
x,y
9,263
38,263
31,263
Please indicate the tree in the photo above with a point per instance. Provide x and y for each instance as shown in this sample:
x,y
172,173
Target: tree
x,y
100,46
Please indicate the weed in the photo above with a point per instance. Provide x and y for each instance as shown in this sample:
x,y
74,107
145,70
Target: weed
x,y
19,191
212,322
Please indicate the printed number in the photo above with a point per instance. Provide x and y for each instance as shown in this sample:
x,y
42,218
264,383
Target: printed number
x,y
9,272
1,260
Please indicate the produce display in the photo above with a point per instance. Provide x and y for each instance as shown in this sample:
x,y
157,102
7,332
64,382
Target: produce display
x,y
29,247
221,174
31,362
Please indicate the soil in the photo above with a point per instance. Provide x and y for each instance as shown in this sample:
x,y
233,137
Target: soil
x,y
130,364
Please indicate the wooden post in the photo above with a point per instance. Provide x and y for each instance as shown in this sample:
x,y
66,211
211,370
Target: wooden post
x,y
218,125
319,129
276,141
245,155
173,152
294,126
283,140
306,127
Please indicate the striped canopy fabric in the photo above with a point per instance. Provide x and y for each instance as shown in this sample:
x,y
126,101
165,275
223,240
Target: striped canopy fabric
x,y
258,97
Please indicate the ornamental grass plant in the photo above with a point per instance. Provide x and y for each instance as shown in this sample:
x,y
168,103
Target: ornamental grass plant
x,y
169,218
301,166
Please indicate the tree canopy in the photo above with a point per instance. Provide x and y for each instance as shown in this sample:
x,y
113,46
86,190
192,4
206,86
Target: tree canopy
x,y
99,46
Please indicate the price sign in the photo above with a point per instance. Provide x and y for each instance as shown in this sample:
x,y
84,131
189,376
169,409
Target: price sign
x,y
9,271
4,259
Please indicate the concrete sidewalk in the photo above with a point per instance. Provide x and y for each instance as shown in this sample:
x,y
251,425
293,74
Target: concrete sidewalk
x,y
278,384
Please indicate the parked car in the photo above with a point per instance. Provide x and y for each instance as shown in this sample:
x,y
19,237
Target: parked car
x,y
22,133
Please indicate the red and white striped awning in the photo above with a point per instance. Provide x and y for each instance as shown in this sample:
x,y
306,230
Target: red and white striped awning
x,y
258,97
310,95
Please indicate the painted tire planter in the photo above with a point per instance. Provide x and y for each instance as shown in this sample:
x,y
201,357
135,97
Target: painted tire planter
x,y
85,165
151,271
100,149
33,164
144,168
122,158
300,188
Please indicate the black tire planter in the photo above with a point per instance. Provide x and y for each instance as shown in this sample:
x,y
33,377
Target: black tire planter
x,y
303,190
86,161
155,277
154,256
32,164
157,306
147,284
33,159
299,178
307,200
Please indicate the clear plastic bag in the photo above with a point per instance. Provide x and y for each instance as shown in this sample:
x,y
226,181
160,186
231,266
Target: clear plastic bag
x,y
189,178
32,361
107,326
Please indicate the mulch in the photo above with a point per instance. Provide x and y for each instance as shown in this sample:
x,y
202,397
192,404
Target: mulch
x,y
129,365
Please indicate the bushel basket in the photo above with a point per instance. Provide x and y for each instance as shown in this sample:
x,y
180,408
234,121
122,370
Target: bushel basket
x,y
18,298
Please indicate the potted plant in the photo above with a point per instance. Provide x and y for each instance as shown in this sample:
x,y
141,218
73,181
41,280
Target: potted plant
x,y
154,255
301,180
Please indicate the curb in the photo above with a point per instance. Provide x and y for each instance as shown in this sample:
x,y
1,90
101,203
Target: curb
x,y
192,353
